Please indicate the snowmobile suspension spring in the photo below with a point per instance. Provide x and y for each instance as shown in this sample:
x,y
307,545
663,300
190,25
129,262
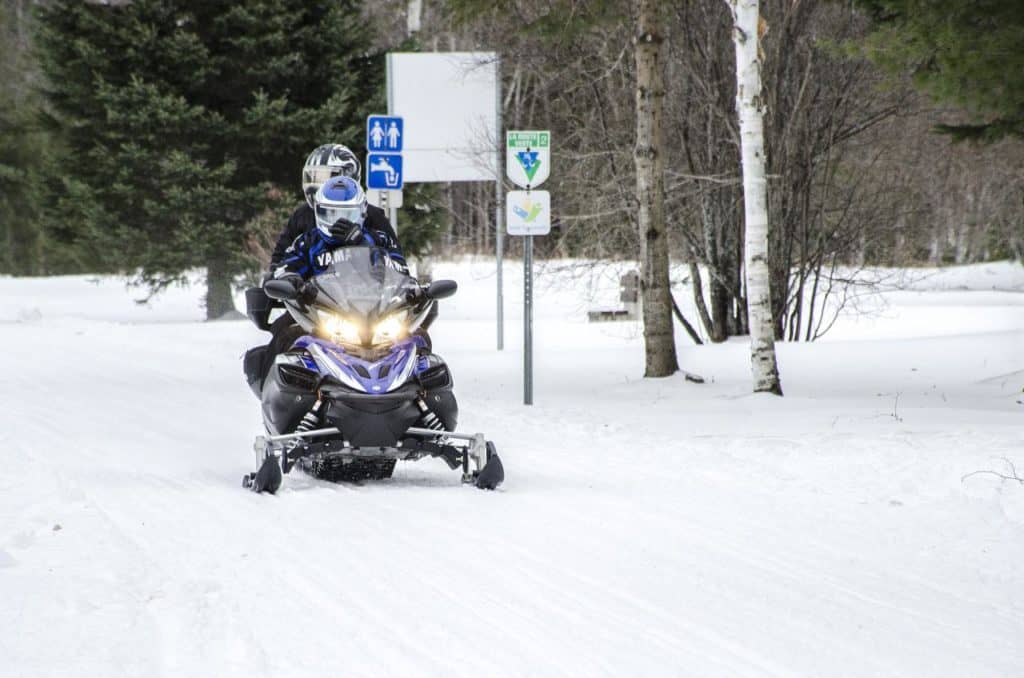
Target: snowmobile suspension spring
x,y
428,417
310,421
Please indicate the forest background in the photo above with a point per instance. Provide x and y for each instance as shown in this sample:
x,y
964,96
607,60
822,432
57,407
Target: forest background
x,y
121,150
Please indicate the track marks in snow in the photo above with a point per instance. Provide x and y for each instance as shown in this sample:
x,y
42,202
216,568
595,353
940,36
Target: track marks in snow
x,y
646,528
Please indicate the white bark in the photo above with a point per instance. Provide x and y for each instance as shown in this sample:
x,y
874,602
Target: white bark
x,y
750,108
413,17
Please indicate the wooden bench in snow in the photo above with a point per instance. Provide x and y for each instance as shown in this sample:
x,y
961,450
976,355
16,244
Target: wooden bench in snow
x,y
609,315
629,295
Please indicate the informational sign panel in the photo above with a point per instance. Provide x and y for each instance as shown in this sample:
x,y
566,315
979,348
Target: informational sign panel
x,y
528,212
384,171
528,157
384,134
451,105
449,101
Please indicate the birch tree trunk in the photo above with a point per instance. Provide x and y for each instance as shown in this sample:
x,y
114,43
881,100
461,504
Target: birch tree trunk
x,y
413,17
749,106
659,341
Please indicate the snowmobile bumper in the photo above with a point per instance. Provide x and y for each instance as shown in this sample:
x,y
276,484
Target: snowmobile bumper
x,y
477,456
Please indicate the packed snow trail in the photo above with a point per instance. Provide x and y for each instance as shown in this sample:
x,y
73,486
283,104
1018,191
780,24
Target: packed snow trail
x,y
646,528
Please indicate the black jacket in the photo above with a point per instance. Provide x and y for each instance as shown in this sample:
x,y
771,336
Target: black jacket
x,y
302,221
299,222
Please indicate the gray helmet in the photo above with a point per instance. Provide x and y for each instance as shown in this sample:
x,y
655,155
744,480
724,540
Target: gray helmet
x,y
329,160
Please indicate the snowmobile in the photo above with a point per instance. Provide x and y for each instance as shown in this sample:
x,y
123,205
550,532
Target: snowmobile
x,y
358,389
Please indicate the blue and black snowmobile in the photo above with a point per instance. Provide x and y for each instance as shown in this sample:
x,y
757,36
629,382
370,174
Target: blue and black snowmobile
x,y
358,388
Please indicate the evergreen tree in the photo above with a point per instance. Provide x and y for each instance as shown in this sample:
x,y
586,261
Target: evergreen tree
x,y
970,54
22,147
182,116
421,219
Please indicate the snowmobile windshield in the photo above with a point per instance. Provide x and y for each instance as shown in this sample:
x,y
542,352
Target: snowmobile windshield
x,y
362,281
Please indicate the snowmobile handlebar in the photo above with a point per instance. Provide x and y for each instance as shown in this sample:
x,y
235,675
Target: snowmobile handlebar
x,y
290,288
282,289
441,289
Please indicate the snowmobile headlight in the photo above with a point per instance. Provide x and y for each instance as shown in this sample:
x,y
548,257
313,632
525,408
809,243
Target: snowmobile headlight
x,y
340,329
390,328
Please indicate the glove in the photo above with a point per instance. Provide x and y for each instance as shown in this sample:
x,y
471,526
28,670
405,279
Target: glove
x,y
414,293
347,232
307,293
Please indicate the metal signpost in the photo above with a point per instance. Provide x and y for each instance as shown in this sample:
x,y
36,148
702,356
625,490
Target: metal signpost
x,y
499,235
384,178
528,213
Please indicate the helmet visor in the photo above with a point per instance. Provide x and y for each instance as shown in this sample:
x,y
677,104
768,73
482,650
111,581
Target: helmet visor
x,y
318,174
327,215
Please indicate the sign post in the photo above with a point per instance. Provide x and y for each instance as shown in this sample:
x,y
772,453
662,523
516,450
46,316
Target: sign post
x,y
528,213
499,234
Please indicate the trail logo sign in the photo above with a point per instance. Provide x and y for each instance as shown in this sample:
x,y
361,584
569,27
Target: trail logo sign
x,y
528,212
528,157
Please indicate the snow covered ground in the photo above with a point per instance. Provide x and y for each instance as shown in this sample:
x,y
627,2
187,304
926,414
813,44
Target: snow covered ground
x,y
646,527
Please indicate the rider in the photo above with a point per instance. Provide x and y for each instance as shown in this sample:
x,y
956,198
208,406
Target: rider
x,y
325,162
343,219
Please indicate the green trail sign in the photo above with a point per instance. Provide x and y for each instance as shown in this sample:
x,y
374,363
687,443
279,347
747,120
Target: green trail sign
x,y
528,157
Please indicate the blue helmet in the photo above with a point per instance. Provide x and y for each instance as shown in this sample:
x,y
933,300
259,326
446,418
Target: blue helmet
x,y
339,198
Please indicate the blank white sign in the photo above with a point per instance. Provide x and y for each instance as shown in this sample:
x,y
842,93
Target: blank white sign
x,y
449,103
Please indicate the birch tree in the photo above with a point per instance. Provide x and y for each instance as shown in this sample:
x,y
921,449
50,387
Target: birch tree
x,y
747,30
413,17
659,341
